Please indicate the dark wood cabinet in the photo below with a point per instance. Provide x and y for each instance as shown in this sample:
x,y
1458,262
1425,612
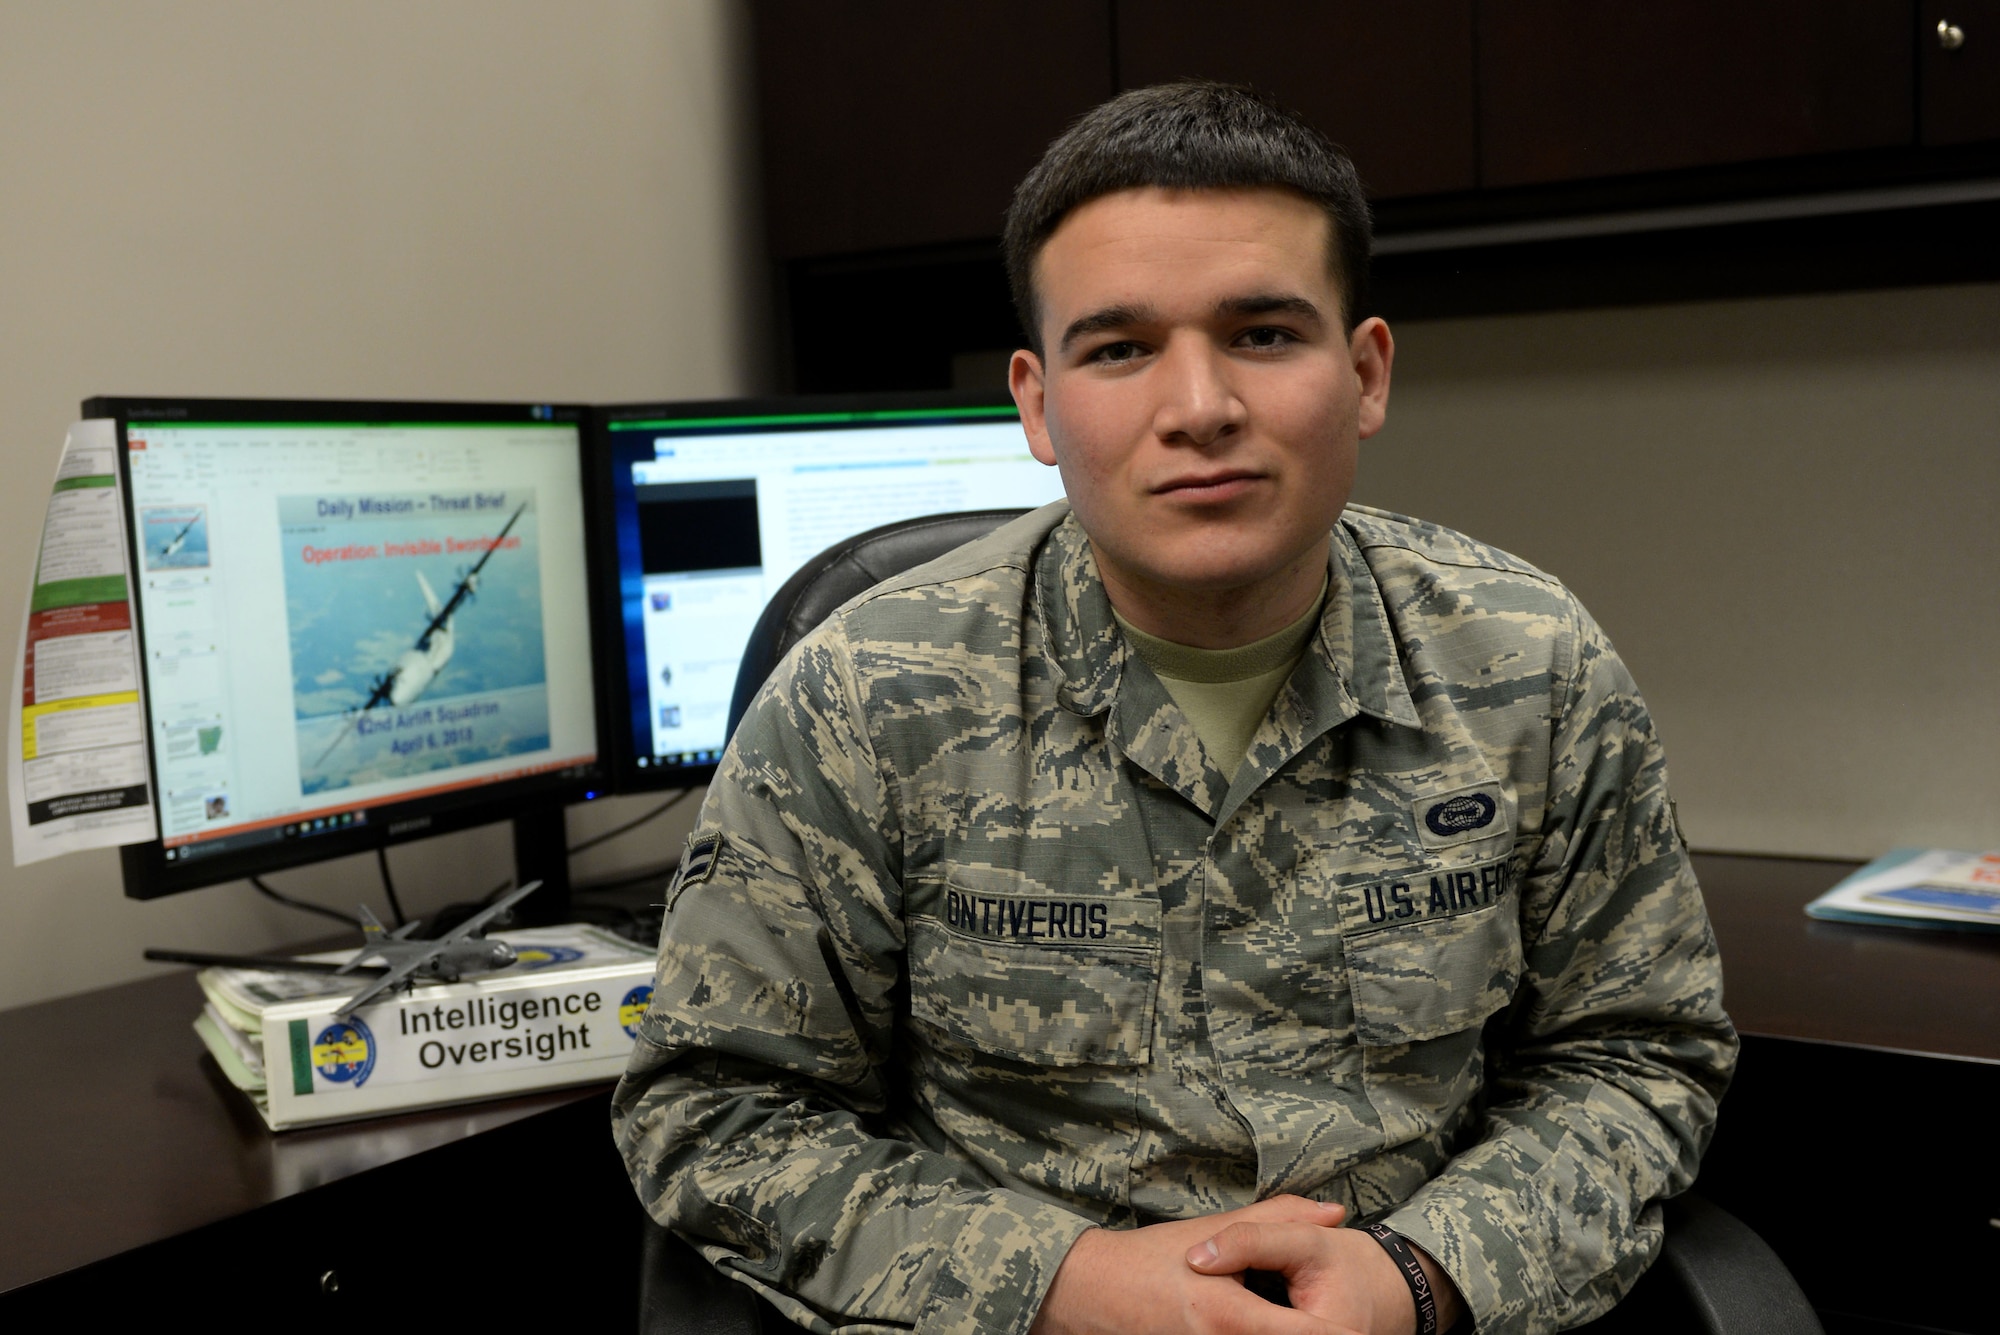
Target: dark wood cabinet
x,y
1391,84
1574,89
1524,154
890,123
1958,71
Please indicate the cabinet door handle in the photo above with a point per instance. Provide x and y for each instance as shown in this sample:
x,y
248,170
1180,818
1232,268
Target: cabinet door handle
x,y
1950,35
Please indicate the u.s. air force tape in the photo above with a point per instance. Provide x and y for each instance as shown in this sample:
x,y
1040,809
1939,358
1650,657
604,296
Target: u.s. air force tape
x,y
697,861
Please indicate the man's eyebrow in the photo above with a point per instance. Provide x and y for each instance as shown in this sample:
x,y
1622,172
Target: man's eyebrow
x,y
1270,303
1109,317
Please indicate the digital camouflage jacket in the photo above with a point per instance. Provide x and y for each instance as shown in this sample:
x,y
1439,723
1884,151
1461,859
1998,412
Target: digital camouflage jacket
x,y
973,948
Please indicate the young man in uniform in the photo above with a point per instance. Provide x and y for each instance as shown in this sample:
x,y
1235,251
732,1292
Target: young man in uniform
x,y
1196,880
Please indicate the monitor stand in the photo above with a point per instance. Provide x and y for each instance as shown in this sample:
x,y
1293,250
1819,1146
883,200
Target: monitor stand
x,y
541,853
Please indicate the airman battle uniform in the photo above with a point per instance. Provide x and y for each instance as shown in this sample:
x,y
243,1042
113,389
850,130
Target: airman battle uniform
x,y
973,946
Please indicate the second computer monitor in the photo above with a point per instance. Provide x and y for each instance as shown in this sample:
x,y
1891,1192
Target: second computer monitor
x,y
715,505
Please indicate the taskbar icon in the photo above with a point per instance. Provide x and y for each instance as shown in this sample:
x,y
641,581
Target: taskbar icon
x,y
325,824
680,759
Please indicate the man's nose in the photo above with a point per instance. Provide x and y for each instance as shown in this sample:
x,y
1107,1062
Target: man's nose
x,y
1198,403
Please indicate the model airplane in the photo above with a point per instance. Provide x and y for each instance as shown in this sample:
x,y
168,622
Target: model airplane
x,y
179,539
403,961
419,665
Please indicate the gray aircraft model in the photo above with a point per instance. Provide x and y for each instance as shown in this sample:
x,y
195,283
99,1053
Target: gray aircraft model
x,y
390,959
458,952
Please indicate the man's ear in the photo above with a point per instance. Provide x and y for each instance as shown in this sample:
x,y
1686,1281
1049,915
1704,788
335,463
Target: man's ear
x,y
1030,388
1373,352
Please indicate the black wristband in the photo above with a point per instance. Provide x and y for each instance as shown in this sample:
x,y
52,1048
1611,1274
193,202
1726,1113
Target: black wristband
x,y
1413,1275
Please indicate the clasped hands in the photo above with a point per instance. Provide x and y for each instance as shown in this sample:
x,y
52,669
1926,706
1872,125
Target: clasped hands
x,y
1186,1275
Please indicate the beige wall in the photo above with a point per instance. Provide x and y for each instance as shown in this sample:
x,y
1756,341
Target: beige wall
x,y
457,199
1784,513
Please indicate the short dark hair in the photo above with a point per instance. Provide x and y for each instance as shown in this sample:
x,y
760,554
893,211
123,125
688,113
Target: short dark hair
x,y
1195,135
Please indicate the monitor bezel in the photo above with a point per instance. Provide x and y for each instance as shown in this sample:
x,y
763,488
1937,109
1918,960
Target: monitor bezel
x,y
617,740
147,872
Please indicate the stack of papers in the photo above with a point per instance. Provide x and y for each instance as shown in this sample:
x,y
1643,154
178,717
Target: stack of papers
x,y
1919,887
564,1013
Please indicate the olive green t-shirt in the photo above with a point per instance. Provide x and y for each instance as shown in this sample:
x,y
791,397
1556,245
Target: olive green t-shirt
x,y
1225,693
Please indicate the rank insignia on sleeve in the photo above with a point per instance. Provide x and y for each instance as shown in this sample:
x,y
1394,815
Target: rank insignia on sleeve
x,y
697,861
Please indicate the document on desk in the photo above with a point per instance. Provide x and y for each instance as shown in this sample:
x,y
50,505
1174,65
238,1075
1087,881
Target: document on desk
x,y
76,735
1919,887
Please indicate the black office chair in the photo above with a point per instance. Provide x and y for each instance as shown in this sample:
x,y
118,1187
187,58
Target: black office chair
x,y
1714,1277
852,565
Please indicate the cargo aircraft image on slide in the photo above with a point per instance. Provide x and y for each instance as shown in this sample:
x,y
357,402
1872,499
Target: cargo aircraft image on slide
x,y
174,537
420,664
179,540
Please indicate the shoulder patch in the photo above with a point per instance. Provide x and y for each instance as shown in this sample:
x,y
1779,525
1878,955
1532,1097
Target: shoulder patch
x,y
697,862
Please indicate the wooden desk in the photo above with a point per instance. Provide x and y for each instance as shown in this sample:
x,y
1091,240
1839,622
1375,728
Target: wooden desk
x,y
129,1166
1857,1136
1786,976
1851,1140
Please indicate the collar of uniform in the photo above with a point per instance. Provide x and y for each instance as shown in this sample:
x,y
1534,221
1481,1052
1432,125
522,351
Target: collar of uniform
x,y
1359,642
1357,646
1092,656
1352,668
1084,638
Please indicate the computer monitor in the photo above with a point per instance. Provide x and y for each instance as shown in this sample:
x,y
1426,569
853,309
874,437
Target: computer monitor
x,y
712,506
358,623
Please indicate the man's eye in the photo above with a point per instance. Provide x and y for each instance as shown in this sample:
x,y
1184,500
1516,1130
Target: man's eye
x,y
1115,352
1267,336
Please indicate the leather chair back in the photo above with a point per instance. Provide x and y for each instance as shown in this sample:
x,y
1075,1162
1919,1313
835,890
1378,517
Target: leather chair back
x,y
852,565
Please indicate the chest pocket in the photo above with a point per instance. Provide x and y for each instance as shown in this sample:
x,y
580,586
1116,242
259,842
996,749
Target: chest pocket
x,y
1433,953
1046,979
